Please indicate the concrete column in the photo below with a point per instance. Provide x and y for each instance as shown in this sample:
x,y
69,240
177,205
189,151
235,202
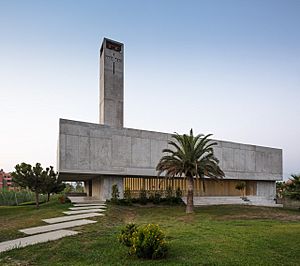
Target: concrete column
x,y
96,187
86,187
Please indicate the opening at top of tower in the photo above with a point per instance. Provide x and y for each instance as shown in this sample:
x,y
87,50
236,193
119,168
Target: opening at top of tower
x,y
113,46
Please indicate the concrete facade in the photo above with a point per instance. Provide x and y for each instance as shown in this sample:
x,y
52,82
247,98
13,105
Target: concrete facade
x,y
103,154
95,149
91,150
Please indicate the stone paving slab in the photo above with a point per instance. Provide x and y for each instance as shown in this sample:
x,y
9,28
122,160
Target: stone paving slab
x,y
85,200
83,211
31,240
52,227
87,207
71,218
90,204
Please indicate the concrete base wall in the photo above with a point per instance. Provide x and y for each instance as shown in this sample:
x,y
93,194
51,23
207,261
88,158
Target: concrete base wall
x,y
291,204
266,189
102,187
106,187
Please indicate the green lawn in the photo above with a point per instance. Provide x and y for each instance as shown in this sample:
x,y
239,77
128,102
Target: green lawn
x,y
215,235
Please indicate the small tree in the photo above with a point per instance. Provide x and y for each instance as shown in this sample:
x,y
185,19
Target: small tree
x,y
115,194
241,186
33,178
280,189
52,183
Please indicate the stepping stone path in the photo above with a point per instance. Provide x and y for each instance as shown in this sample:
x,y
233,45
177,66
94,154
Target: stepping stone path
x,y
53,227
31,240
89,204
71,217
40,234
87,207
83,211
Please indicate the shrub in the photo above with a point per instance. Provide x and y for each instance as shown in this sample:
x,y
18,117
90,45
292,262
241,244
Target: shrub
x,y
146,242
125,237
127,195
115,194
178,193
157,198
143,197
169,193
62,198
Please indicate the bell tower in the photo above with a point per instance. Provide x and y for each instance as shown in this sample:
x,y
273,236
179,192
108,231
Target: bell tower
x,y
111,83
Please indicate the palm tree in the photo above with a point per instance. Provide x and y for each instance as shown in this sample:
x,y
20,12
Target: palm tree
x,y
192,157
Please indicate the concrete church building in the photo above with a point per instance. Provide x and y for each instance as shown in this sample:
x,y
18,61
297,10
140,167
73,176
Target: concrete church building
x,y
107,153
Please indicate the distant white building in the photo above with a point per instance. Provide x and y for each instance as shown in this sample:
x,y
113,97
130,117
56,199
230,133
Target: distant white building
x,y
107,153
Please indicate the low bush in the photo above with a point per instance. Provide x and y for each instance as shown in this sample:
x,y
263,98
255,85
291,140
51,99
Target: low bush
x,y
147,242
155,198
169,193
127,195
63,199
125,237
143,197
115,194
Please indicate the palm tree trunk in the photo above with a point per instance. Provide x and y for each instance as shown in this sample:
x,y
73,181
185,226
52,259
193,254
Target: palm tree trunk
x,y
190,195
37,199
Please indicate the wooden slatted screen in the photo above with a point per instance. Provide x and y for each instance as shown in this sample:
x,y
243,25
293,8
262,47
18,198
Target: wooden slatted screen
x,y
212,187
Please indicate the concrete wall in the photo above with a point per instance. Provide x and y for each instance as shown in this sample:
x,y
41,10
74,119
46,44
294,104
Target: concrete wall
x,y
266,189
102,150
102,187
106,187
291,204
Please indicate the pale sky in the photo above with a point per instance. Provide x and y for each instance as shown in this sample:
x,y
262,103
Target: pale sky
x,y
231,68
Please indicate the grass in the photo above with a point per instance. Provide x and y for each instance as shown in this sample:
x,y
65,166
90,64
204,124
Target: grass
x,y
13,218
215,235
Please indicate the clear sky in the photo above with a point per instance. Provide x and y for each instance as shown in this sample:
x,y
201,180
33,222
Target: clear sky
x,y
231,68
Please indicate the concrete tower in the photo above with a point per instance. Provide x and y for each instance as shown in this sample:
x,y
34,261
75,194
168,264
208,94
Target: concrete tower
x,y
111,83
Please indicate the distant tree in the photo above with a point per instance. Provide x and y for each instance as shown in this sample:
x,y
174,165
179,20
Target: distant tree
x,y
79,187
191,157
68,188
280,189
293,187
52,184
